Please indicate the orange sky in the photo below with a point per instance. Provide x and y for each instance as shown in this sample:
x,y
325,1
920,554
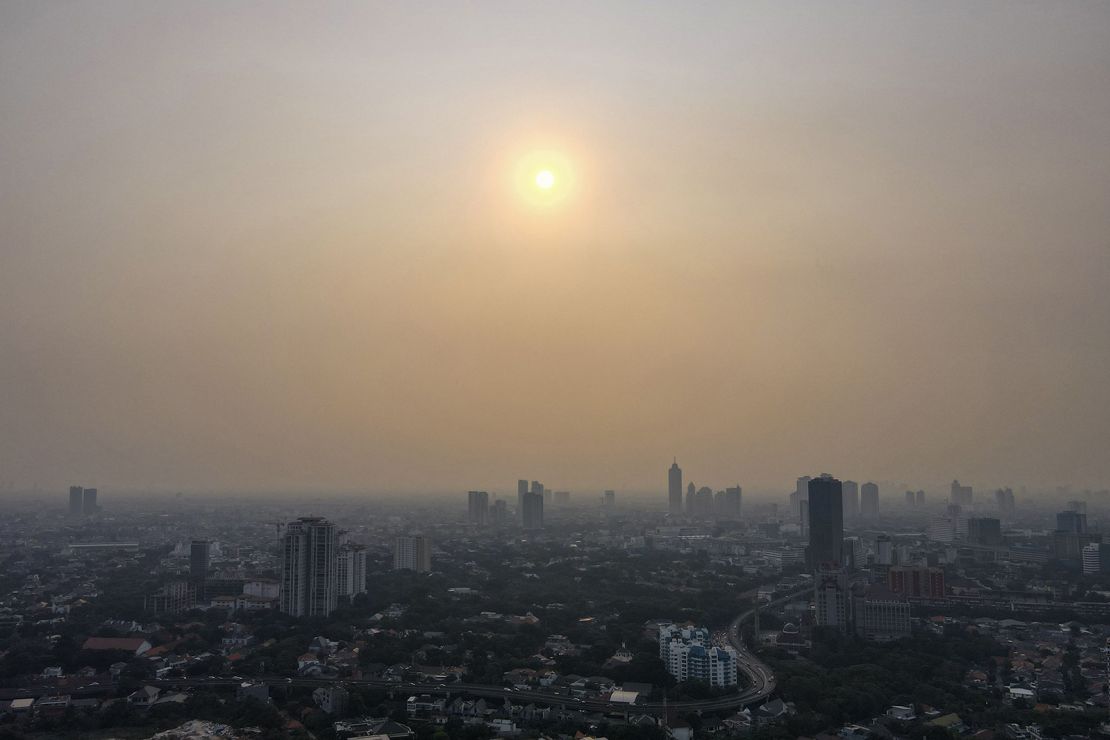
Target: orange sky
x,y
275,245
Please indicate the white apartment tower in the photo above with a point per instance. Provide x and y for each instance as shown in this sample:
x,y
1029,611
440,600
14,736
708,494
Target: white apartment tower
x,y
309,584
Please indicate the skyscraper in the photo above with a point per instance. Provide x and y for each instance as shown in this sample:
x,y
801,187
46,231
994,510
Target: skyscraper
x,y
674,489
1071,521
961,495
500,513
413,552
727,503
477,505
984,531
869,502
609,499
88,502
200,552
521,489
532,514
351,570
851,500
826,522
309,573
75,496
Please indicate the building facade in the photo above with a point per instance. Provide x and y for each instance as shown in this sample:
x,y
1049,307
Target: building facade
x,y
309,583
413,552
689,656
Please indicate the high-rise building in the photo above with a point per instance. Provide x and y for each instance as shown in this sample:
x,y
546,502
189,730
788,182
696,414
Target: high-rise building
x,y
869,502
910,498
961,495
350,569
1096,558
1004,500
413,552
609,499
532,515
674,489
173,598
477,507
920,496
826,522
800,494
309,577
850,495
1077,505
688,655
75,499
1071,521
691,492
88,502
200,554
521,489
500,513
726,503
943,528
803,517
984,531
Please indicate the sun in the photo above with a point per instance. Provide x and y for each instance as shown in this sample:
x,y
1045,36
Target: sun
x,y
544,178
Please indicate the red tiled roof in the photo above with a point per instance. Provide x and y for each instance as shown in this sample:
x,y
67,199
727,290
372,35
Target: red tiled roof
x,y
130,644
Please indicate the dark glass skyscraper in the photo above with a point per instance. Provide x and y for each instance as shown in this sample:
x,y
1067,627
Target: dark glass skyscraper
x,y
674,489
826,522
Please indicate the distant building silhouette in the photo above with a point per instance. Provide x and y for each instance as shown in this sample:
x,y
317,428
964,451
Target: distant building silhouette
x,y
869,502
477,506
961,495
200,553
75,500
500,513
532,513
1071,521
309,574
851,500
826,522
609,499
674,489
89,505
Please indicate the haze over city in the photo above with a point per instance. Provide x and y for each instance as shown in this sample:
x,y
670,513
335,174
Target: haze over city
x,y
403,248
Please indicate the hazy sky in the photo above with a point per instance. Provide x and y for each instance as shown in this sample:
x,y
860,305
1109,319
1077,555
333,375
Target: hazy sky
x,y
251,245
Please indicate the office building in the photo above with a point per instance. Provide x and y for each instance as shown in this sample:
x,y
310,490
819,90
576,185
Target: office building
x,y
309,578
1071,521
961,495
884,550
674,489
942,528
689,655
830,596
984,531
89,505
75,500
350,569
869,502
477,508
880,614
803,517
850,496
414,552
826,522
1096,558
800,494
532,514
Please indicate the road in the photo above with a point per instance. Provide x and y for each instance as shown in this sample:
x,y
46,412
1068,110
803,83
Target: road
x,y
761,680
